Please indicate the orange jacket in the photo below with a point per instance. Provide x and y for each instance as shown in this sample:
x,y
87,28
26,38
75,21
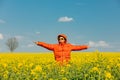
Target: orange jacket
x,y
62,51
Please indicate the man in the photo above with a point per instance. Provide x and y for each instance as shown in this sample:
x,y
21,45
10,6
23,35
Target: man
x,y
63,49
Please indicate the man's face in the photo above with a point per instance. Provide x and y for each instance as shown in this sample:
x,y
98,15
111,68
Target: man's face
x,y
61,39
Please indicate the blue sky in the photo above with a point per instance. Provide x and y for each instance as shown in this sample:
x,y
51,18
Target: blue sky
x,y
93,22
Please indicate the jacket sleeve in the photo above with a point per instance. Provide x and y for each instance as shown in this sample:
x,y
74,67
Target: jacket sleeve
x,y
46,45
79,47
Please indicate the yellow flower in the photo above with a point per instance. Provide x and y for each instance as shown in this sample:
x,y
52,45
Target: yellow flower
x,y
19,65
62,71
86,75
108,75
35,78
31,64
15,69
48,67
32,72
5,75
119,59
111,60
44,74
95,69
50,79
64,78
118,64
68,65
38,68
108,67
4,65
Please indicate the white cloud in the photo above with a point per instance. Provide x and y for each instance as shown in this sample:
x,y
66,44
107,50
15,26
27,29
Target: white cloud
x,y
1,36
65,19
19,37
37,32
2,21
30,45
98,44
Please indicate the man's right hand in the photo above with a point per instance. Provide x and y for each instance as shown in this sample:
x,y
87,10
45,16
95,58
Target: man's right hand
x,y
35,42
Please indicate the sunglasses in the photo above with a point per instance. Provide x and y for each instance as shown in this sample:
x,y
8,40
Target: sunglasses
x,y
61,39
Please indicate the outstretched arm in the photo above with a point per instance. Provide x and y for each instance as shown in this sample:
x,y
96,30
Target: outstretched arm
x,y
45,45
79,47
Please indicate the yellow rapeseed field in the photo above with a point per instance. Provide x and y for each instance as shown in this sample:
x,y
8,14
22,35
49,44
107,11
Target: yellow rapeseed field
x,y
42,66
